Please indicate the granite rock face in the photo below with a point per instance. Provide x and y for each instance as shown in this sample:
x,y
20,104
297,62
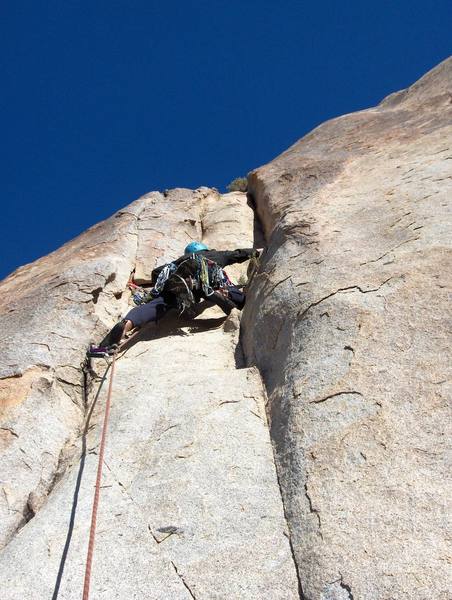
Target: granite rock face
x,y
338,371
190,504
349,323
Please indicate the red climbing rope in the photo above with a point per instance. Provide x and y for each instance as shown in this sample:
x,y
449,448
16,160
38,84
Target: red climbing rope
x,y
92,533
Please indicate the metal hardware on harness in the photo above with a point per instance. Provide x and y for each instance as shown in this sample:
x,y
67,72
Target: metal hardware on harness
x,y
189,293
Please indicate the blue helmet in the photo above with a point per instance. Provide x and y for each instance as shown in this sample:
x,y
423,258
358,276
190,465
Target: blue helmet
x,y
195,247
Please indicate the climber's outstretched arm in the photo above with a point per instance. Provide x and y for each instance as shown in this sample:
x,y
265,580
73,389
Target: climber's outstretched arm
x,y
230,257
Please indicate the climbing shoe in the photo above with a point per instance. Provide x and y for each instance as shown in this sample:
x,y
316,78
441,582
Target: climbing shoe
x,y
114,335
101,351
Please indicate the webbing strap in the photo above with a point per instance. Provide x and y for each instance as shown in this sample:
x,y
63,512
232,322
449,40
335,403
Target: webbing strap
x,y
92,533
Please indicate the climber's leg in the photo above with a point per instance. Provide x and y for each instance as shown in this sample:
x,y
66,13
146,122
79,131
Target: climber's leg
x,y
147,313
137,317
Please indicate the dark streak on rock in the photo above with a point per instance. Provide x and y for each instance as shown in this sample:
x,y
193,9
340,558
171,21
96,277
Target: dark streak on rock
x,y
255,414
183,581
334,396
390,250
301,593
152,533
302,313
40,344
13,433
312,509
165,430
277,284
347,588
95,294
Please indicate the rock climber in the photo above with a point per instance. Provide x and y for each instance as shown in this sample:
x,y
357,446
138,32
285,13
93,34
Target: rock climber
x,y
197,275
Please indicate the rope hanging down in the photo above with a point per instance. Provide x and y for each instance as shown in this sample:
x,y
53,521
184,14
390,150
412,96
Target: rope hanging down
x,y
92,533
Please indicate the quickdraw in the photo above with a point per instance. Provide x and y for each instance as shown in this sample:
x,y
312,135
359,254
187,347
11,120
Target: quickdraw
x,y
185,301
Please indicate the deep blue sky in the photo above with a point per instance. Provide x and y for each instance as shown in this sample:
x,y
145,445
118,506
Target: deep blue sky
x,y
103,101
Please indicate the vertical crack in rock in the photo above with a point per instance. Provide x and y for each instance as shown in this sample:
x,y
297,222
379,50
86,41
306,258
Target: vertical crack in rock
x,y
290,230
62,464
28,514
136,234
183,581
347,588
313,510
259,226
301,594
